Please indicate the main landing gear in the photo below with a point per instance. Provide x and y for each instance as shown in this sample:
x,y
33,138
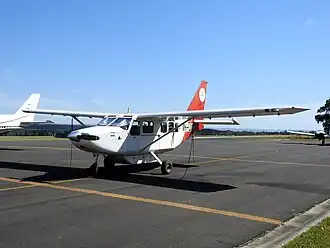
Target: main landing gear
x,y
109,162
166,166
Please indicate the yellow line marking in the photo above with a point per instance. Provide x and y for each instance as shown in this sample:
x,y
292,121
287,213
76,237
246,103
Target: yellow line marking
x,y
17,187
217,159
241,158
146,200
50,182
68,180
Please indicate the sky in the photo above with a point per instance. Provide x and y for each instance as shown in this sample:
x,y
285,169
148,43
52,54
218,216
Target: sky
x,y
105,56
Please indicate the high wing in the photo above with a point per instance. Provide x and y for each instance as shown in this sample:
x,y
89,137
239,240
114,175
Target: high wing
x,y
216,113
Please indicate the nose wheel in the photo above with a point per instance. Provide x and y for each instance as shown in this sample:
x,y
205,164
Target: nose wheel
x,y
109,163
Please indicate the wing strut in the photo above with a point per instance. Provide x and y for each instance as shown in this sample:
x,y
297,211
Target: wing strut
x,y
172,131
75,117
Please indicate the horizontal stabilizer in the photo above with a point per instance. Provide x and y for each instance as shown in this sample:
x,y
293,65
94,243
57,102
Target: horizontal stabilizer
x,y
301,133
317,134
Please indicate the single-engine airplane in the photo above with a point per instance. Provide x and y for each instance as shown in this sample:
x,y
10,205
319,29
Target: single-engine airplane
x,y
140,138
17,120
320,135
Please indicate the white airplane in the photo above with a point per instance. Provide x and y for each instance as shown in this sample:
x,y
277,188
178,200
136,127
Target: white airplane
x,y
19,119
141,137
320,135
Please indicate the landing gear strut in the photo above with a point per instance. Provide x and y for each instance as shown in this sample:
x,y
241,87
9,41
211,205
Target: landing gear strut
x,y
166,166
93,170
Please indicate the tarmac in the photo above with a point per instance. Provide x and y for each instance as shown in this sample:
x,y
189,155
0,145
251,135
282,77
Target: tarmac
x,y
231,191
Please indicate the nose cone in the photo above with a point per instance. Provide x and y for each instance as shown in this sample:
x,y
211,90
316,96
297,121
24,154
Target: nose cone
x,y
81,135
73,136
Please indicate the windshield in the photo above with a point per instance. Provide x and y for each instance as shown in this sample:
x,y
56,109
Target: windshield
x,y
106,121
122,122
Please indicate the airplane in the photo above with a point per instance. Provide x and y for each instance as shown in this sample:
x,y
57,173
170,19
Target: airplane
x,y
17,120
320,135
140,138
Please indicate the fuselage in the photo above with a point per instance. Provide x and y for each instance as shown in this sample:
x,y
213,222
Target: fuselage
x,y
124,136
9,123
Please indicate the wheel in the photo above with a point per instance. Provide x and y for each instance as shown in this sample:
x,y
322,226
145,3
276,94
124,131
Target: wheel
x,y
109,163
166,167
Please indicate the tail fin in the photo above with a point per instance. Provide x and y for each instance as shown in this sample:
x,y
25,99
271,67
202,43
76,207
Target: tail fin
x,y
31,103
198,101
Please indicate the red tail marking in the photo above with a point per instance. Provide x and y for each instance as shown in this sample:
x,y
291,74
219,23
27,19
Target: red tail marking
x,y
197,103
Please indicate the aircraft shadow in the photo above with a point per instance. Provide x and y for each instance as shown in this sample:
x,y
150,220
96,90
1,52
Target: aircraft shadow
x,y
10,149
119,174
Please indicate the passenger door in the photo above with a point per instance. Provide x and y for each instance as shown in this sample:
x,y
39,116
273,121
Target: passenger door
x,y
133,139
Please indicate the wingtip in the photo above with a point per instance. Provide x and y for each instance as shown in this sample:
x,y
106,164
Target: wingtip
x,y
301,108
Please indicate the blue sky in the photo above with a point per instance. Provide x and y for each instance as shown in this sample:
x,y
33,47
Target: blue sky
x,y
151,55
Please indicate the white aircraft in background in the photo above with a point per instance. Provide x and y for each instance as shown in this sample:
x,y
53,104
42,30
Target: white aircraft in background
x,y
320,135
19,119
139,138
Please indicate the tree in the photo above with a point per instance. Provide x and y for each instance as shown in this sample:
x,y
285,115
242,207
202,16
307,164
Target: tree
x,y
323,116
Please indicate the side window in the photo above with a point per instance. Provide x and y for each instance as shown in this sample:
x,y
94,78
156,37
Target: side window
x,y
170,126
135,130
148,127
163,127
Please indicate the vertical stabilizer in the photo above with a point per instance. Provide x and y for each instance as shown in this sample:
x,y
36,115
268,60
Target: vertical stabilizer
x,y
199,99
197,103
31,103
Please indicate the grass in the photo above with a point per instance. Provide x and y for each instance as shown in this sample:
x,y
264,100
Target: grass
x,y
22,138
316,237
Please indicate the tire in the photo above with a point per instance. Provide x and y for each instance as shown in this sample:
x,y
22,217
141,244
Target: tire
x,y
166,167
108,162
